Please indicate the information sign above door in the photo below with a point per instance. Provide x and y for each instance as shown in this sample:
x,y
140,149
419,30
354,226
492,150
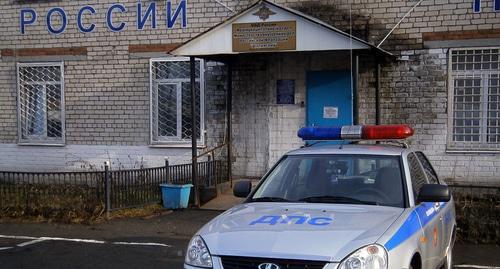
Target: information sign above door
x,y
264,36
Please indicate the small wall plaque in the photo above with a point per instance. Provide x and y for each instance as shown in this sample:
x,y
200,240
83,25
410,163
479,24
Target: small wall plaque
x,y
285,92
330,112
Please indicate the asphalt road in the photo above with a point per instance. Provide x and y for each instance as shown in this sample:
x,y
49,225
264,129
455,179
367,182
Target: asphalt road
x,y
159,242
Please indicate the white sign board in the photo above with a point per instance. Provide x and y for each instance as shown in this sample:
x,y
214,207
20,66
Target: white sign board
x,y
330,112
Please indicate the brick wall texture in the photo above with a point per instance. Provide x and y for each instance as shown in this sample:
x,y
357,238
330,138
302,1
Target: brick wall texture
x,y
107,85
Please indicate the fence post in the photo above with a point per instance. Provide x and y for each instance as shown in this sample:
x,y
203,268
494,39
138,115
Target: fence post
x,y
209,168
167,179
107,189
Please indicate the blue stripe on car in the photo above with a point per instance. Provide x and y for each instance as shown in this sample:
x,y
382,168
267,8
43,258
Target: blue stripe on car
x,y
418,218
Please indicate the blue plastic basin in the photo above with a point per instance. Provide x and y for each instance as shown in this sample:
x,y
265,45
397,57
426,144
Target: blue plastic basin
x,y
175,196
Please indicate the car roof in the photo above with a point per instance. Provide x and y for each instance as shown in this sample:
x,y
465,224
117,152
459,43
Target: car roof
x,y
363,149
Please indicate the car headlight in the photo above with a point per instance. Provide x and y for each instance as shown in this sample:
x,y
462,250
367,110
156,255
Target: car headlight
x,y
369,257
198,254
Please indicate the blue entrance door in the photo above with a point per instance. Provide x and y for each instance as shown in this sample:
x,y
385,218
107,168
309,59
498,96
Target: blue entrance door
x,y
329,98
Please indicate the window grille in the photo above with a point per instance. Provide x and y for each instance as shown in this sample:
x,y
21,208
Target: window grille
x,y
171,100
475,99
41,103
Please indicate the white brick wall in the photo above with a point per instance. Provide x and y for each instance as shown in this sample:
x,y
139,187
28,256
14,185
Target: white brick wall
x,y
107,91
413,92
263,130
416,92
86,157
249,118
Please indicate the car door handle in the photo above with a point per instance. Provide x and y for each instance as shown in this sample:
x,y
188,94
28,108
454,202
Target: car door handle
x,y
437,207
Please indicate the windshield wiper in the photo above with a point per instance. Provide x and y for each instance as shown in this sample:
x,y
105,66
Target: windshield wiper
x,y
335,199
270,199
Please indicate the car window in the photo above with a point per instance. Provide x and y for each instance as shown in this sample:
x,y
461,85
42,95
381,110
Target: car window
x,y
416,173
429,171
335,179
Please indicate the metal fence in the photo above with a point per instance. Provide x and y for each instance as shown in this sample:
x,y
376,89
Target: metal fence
x,y
132,188
50,194
91,193
210,173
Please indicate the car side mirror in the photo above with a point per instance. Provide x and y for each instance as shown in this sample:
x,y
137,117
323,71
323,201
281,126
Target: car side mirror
x,y
434,193
242,189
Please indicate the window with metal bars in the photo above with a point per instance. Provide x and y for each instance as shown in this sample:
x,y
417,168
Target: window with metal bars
x,y
171,101
475,99
40,90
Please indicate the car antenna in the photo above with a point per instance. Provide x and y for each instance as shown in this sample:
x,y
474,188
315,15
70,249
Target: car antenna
x,y
312,144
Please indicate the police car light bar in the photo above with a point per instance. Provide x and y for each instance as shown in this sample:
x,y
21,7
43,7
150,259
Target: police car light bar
x,y
356,132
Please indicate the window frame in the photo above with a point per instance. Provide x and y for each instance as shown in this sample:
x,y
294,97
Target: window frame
x,y
46,141
173,142
461,146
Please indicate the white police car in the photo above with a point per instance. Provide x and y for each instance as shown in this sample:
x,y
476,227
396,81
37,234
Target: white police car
x,y
336,206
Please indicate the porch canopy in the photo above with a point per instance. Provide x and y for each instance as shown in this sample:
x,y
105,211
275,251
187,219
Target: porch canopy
x,y
266,27
269,27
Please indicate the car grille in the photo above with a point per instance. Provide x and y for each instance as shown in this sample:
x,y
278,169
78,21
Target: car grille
x,y
233,262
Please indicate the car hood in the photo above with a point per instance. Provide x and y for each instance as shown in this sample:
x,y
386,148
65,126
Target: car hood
x,y
305,231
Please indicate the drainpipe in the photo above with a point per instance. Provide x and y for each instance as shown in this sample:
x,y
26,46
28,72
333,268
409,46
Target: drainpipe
x,y
377,90
355,110
194,161
228,119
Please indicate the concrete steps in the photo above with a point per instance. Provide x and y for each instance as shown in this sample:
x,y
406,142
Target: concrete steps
x,y
225,198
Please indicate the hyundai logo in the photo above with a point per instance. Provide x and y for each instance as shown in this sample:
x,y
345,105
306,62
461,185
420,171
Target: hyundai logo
x,y
268,266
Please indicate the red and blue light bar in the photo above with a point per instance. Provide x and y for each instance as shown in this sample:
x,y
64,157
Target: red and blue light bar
x,y
357,132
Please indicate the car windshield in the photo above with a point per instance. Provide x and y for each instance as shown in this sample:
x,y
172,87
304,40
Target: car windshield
x,y
350,179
